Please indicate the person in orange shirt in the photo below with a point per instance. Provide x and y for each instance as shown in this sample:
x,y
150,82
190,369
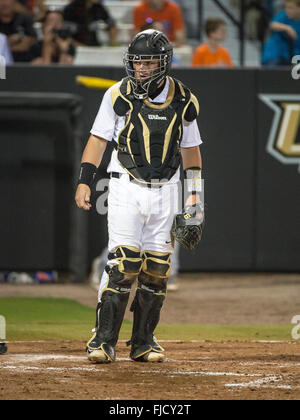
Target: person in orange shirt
x,y
165,11
211,53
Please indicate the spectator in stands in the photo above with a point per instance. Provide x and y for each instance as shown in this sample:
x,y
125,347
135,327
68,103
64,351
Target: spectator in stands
x,y
211,53
257,19
165,11
36,8
57,45
284,41
85,14
18,28
5,50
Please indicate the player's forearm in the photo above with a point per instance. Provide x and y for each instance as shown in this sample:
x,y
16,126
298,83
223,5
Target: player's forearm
x,y
94,150
191,157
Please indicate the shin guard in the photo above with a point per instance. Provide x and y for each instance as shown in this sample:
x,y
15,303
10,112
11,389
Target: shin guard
x,y
124,267
146,308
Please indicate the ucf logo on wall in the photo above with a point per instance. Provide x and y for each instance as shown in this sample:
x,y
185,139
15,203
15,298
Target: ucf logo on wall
x,y
284,137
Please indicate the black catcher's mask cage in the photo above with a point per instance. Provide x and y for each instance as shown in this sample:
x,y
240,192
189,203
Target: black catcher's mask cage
x,y
148,45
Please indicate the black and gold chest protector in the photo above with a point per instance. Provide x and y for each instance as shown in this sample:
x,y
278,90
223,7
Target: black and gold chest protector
x,y
148,145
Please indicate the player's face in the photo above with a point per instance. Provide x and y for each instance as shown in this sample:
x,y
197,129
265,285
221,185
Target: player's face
x,y
145,68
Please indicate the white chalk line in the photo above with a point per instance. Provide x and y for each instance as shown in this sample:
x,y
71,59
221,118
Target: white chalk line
x,y
48,369
203,373
277,364
34,357
263,383
24,358
257,382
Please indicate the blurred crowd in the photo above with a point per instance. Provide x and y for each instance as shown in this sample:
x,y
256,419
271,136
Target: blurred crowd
x,y
32,31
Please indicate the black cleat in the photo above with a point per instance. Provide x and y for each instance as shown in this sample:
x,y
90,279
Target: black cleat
x,y
99,351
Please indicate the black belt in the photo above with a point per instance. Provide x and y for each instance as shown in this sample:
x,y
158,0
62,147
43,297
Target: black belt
x,y
118,175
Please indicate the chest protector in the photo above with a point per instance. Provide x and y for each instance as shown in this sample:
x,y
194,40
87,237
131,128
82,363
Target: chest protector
x,y
148,146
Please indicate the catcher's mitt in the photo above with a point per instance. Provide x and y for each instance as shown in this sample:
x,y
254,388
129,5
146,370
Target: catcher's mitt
x,y
188,226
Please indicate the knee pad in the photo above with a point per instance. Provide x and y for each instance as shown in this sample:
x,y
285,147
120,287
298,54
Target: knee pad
x,y
156,264
129,260
156,268
127,268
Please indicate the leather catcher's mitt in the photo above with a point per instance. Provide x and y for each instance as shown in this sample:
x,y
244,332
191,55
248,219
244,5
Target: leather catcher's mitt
x,y
188,226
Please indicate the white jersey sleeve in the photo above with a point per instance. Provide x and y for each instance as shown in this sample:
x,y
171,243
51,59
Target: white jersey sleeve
x,y
105,123
190,134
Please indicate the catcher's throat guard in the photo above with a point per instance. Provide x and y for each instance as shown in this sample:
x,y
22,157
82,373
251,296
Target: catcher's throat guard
x,y
188,226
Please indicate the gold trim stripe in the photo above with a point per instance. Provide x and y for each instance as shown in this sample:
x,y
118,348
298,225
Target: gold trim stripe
x,y
128,88
146,136
131,127
181,89
168,138
195,102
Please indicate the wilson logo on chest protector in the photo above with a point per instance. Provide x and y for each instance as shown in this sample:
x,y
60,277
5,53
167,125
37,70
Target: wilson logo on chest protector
x,y
156,117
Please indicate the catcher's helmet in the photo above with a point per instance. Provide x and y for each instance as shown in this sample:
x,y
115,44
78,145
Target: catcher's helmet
x,y
148,45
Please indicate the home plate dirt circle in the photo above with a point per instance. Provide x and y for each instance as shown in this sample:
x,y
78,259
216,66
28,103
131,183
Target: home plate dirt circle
x,y
193,370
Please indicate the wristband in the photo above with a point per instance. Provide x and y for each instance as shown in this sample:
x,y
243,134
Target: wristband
x,y
87,173
192,178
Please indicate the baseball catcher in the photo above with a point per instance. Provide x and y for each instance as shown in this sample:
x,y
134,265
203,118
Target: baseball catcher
x,y
150,118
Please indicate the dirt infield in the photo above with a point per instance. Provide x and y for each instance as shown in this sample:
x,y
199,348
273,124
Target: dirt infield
x,y
192,371
196,370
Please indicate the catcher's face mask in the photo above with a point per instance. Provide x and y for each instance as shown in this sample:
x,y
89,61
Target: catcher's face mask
x,y
147,62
